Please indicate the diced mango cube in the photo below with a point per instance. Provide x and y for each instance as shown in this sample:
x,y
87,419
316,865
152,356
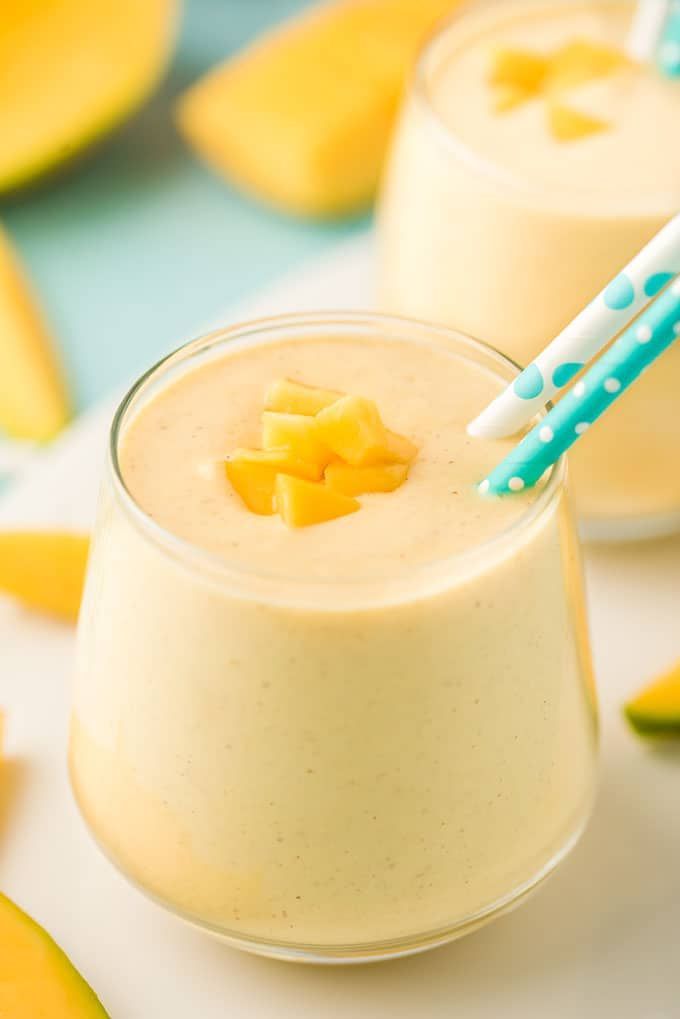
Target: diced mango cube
x,y
302,503
580,61
288,397
297,433
353,429
44,569
568,124
361,480
508,97
252,473
518,68
399,449
655,711
303,117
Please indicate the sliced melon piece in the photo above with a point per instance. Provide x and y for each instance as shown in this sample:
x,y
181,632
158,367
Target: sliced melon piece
x,y
297,433
71,70
303,117
302,503
581,61
360,480
33,401
37,981
44,569
353,429
515,68
655,711
252,473
568,125
290,397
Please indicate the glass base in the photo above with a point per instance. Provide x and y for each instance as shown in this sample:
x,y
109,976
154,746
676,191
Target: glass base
x,y
629,529
359,953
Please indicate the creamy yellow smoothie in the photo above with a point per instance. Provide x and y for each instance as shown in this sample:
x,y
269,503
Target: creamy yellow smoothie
x,y
344,740
492,224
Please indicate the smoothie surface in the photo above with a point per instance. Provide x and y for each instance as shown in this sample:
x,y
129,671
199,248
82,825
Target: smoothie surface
x,y
173,452
636,159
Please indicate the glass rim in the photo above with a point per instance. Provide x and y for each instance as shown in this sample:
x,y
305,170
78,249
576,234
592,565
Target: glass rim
x,y
420,90
221,568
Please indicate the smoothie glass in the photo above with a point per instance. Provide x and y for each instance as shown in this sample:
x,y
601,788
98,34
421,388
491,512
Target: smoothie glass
x,y
333,771
510,249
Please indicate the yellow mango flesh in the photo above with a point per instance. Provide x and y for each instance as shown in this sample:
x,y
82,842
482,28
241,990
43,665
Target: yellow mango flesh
x,y
581,61
567,124
45,570
302,118
399,449
70,71
297,433
33,400
362,480
303,503
288,397
509,97
518,69
352,428
252,473
37,981
655,711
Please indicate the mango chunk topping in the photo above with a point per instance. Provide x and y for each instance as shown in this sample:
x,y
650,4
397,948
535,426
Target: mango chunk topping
x,y
518,68
288,397
319,452
581,61
518,75
298,433
301,503
655,711
568,125
361,480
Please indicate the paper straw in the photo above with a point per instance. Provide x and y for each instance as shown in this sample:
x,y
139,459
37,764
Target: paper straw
x,y
668,50
639,346
585,336
647,28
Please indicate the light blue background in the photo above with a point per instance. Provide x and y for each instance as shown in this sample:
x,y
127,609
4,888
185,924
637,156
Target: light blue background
x,y
138,246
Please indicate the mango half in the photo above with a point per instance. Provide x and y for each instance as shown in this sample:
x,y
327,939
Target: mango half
x,y
655,711
71,71
36,978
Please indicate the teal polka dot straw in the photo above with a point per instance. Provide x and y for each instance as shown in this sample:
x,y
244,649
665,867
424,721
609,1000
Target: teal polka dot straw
x,y
635,350
589,333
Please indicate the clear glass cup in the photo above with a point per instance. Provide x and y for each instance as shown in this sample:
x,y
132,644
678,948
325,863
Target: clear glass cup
x,y
470,243
329,771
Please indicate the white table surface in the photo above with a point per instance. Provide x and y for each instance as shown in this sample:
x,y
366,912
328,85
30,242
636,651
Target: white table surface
x,y
601,939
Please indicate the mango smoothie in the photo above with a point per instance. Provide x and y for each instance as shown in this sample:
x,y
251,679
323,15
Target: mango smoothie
x,y
339,741
502,223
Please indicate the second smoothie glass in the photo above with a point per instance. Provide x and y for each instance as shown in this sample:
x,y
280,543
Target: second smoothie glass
x,y
474,245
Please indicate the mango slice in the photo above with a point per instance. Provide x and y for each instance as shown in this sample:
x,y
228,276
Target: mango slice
x,y
567,124
655,711
290,397
33,400
580,61
45,570
297,433
352,428
303,117
362,480
519,69
252,473
71,71
302,503
37,981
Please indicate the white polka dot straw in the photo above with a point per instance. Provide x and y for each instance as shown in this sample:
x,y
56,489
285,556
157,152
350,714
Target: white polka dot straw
x,y
593,328
593,395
